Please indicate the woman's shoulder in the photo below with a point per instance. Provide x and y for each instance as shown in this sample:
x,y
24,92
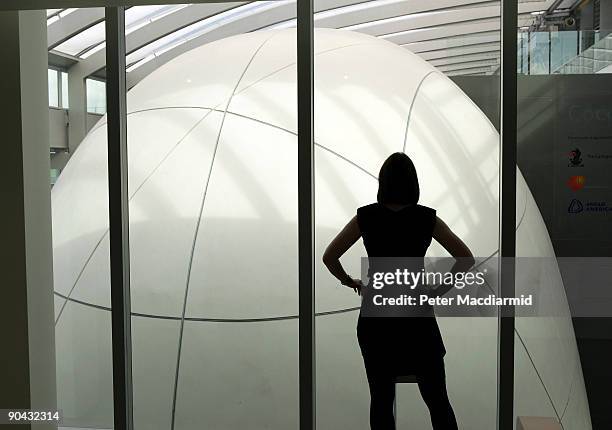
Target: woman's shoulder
x,y
426,209
368,208
366,215
373,207
427,215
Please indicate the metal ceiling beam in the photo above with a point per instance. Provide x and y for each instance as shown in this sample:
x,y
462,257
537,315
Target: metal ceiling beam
x,y
239,26
377,10
61,61
64,4
72,24
450,30
482,71
469,65
468,73
487,68
460,51
426,20
268,15
191,15
453,42
419,25
468,58
443,32
157,29
392,24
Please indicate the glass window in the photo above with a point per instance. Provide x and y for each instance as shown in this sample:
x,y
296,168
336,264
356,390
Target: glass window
x,y
160,46
372,99
539,53
212,141
53,88
64,84
96,96
564,47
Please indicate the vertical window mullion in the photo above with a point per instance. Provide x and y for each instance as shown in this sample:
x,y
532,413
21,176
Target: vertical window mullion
x,y
306,338
119,218
507,212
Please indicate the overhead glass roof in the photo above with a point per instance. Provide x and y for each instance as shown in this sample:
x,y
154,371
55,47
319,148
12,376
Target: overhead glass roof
x,y
91,39
441,31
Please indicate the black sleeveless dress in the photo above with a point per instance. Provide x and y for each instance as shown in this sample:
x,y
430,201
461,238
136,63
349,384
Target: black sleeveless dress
x,y
402,345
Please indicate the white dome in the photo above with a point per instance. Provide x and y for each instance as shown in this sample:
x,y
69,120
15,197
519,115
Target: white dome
x,y
213,237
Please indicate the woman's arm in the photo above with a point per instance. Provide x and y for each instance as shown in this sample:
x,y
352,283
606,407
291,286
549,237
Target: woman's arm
x,y
336,249
464,259
453,244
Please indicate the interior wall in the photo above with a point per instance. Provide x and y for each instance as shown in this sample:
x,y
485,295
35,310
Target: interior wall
x,y
59,135
556,114
25,249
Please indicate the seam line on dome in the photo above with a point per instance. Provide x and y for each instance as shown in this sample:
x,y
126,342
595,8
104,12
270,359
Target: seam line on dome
x,y
203,319
295,134
325,51
241,116
210,110
315,143
569,395
97,126
416,93
552,404
197,229
520,338
164,158
230,320
278,127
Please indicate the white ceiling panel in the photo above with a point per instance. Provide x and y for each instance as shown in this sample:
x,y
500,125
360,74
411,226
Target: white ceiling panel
x,y
155,34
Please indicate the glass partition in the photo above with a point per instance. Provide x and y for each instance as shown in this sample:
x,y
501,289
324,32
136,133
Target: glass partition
x,y
404,79
559,125
79,200
564,52
212,151
212,142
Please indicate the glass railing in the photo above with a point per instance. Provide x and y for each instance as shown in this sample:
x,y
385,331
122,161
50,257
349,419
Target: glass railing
x,y
564,52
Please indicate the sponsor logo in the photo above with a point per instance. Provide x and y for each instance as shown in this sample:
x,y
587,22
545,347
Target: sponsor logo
x,y
575,206
576,182
597,206
575,158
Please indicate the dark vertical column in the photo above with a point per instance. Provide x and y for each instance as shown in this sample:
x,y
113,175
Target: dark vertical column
x,y
305,71
507,210
119,217
549,52
605,18
529,52
26,261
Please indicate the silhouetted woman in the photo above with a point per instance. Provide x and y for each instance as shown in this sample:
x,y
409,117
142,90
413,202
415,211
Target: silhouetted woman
x,y
396,226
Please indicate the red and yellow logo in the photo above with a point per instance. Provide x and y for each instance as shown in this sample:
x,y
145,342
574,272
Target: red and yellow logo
x,y
576,182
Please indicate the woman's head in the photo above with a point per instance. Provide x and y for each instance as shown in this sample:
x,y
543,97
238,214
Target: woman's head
x,y
397,181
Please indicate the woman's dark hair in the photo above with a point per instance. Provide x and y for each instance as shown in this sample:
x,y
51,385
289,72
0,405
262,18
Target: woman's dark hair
x,y
397,181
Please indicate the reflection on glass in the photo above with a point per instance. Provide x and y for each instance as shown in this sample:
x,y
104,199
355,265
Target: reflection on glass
x,y
79,199
547,370
96,96
539,53
64,84
405,104
564,47
213,230
564,52
53,87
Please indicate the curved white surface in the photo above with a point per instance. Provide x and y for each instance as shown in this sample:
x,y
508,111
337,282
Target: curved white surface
x,y
213,239
607,69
